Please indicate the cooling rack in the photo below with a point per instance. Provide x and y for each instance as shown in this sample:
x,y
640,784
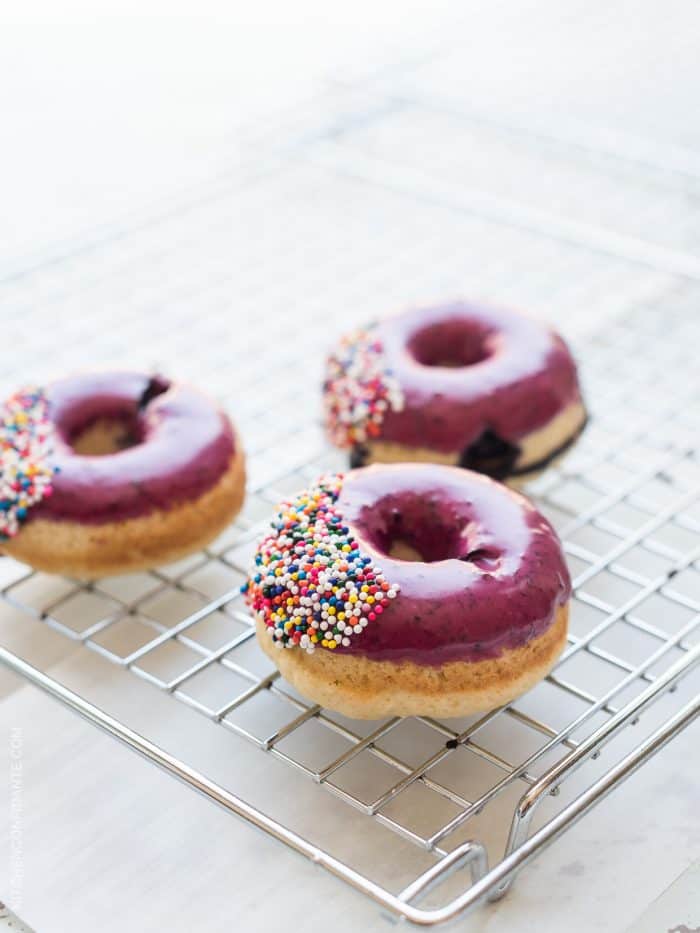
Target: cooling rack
x,y
259,267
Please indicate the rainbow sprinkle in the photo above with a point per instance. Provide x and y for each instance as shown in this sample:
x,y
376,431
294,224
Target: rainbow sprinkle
x,y
25,446
310,583
358,390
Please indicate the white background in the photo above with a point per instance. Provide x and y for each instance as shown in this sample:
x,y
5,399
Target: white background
x,y
106,105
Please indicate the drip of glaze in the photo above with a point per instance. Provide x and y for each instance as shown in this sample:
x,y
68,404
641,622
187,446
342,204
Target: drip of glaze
x,y
359,456
490,454
157,385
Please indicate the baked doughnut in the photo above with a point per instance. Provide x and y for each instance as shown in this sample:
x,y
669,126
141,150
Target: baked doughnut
x,y
463,384
410,589
105,473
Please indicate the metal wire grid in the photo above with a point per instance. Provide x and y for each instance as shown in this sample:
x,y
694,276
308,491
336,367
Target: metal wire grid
x,y
589,188
626,501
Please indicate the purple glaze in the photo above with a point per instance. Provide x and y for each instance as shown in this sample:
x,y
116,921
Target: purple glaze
x,y
453,609
518,375
183,446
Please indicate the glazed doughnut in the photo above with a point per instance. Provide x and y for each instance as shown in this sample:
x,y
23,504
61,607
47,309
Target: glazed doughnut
x,y
410,589
462,384
105,473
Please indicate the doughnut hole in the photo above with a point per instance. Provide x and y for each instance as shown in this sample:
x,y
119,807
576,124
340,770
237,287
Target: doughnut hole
x,y
110,425
452,344
107,435
427,530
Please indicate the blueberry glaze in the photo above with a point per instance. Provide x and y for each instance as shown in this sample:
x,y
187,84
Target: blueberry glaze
x,y
493,572
466,370
180,446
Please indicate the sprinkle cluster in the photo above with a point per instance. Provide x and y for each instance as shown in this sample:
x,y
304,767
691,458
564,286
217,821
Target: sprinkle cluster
x,y
310,583
358,390
25,446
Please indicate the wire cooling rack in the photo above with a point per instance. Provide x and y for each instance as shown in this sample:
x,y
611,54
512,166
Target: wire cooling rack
x,y
240,288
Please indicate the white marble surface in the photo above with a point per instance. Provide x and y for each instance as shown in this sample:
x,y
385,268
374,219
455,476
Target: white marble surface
x,y
677,909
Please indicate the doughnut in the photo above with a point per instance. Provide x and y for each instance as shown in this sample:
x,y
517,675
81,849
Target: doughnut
x,y
410,589
462,384
106,473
